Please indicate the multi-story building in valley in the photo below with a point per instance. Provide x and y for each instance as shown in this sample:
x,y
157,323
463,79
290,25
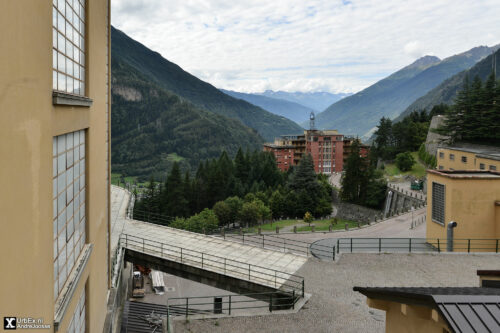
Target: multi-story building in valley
x,y
468,157
54,144
327,149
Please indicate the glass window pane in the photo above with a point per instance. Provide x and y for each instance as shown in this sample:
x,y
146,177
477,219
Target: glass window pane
x,y
61,63
54,37
54,80
69,84
60,23
61,82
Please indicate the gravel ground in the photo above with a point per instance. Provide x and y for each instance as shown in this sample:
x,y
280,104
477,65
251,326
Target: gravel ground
x,y
334,307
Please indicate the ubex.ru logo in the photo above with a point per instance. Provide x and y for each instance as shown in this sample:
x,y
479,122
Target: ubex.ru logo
x,y
9,323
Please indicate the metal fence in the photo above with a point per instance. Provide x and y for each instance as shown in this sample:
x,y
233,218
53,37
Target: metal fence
x,y
278,243
415,245
257,274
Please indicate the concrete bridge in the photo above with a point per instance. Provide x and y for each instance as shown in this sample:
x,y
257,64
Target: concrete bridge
x,y
214,261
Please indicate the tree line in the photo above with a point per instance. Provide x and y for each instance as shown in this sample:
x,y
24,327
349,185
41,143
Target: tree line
x,y
475,115
248,189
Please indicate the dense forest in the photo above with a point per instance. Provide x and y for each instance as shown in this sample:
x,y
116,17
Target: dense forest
x,y
153,128
249,188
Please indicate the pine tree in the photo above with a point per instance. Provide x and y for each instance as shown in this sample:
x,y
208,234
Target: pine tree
x,y
176,203
353,177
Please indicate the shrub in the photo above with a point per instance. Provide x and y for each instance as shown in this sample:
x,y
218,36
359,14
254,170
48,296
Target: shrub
x,y
404,161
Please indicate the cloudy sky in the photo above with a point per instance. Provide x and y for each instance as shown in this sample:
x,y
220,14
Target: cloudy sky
x,y
305,45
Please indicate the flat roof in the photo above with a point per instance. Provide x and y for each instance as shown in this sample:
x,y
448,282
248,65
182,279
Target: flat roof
x,y
272,145
465,174
484,151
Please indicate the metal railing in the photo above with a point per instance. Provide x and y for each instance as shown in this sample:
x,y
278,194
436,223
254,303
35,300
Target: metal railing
x,y
151,217
257,274
283,244
415,245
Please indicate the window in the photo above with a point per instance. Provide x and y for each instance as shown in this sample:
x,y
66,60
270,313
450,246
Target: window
x,y
493,168
438,193
452,157
441,154
441,167
68,46
482,166
68,196
77,324
464,159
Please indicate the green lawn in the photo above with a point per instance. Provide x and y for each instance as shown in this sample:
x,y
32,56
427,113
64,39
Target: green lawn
x,y
418,169
320,225
174,157
323,225
115,177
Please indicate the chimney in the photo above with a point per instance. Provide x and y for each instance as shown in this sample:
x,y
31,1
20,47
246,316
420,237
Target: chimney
x,y
489,278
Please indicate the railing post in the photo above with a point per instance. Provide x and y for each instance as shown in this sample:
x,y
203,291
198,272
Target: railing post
x,y
243,238
143,245
275,284
181,255
271,302
468,245
338,245
126,240
351,245
229,304
496,248
248,272
224,265
293,299
161,254
284,245
202,260
262,241
380,245
302,287
187,304
409,244
439,247
333,252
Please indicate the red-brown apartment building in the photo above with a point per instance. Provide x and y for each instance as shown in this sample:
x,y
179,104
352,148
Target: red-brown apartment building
x,y
328,148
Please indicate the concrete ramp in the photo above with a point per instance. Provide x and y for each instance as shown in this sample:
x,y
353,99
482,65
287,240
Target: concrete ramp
x,y
203,258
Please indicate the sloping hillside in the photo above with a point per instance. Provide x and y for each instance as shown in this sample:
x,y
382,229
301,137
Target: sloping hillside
x,y
392,95
172,78
446,92
152,128
293,111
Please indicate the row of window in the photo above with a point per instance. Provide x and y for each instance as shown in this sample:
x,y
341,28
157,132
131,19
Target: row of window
x,y
68,43
482,166
69,223
77,324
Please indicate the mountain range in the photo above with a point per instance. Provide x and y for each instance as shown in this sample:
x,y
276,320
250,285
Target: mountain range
x,y
390,96
318,101
446,92
202,94
162,114
291,110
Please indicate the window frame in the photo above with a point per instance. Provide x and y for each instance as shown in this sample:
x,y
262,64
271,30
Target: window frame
x,y
433,217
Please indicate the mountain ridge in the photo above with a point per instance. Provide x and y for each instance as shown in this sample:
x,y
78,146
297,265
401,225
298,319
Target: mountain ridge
x,y
392,95
202,94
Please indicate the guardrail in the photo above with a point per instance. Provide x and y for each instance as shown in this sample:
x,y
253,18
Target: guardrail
x,y
415,245
283,244
257,274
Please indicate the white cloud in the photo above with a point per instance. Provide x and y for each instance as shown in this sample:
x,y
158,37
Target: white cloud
x,y
298,45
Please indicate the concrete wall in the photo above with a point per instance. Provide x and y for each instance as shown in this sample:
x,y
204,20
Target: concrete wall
x,y
28,123
410,318
470,201
402,200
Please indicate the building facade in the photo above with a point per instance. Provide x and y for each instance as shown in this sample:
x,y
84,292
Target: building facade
x,y
55,118
470,198
325,147
468,157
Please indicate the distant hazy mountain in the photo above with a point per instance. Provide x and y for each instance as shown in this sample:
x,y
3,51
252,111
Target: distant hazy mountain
x,y
171,77
287,109
446,92
361,112
318,101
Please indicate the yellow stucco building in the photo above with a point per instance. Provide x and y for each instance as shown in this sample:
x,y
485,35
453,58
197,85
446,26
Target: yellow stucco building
x,y
54,172
471,199
468,157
